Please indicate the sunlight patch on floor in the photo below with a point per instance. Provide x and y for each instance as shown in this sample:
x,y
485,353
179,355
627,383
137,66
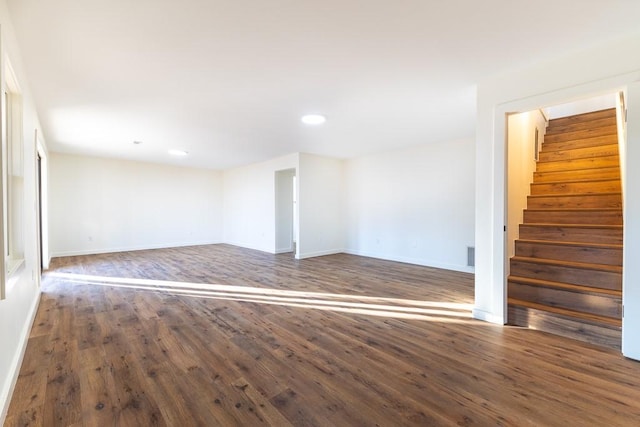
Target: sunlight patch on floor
x,y
348,303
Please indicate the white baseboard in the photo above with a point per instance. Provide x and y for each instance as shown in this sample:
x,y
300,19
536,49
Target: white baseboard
x,y
488,316
415,261
131,248
284,250
7,392
319,253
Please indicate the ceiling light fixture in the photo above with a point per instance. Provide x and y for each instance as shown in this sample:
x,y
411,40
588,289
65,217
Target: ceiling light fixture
x,y
313,119
178,152
137,142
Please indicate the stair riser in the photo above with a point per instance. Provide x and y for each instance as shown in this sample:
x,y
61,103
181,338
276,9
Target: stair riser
x,y
564,274
579,153
571,234
598,334
555,128
573,217
580,134
567,165
608,186
609,113
601,305
608,256
575,175
579,143
581,201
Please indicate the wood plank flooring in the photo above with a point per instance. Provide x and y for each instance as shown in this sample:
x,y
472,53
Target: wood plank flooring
x,y
223,336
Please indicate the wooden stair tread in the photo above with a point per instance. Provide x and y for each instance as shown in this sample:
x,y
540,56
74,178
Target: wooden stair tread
x,y
569,181
574,135
575,209
573,154
565,243
569,313
575,180
614,193
582,117
593,226
592,141
550,148
573,264
562,285
556,128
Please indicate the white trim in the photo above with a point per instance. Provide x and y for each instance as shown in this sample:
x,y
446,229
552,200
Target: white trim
x,y
133,248
414,261
14,369
487,316
284,251
319,253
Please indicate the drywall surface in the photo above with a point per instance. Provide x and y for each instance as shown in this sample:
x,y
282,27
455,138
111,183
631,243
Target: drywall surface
x,y
414,205
320,205
108,205
22,288
249,203
521,165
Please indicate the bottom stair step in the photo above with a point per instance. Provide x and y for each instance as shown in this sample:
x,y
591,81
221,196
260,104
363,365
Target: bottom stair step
x,y
582,299
599,330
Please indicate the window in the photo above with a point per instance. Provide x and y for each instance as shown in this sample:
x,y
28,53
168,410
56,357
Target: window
x,y
12,178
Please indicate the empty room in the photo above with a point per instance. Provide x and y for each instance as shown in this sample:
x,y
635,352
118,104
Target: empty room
x,y
344,213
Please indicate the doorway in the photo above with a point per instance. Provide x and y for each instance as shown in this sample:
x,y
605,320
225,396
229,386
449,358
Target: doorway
x,y
286,211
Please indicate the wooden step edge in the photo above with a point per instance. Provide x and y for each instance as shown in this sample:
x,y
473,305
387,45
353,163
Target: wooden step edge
x,y
591,318
606,193
589,226
574,209
590,157
576,134
606,169
612,145
573,244
565,286
551,129
572,264
581,116
571,180
586,180
587,140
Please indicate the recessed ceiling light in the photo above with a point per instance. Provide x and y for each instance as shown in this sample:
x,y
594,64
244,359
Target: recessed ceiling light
x,y
178,152
313,119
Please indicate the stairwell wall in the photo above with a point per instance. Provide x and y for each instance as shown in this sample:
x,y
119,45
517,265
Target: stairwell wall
x,y
521,148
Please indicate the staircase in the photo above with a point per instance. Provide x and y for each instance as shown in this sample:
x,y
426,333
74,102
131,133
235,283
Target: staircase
x,y
566,275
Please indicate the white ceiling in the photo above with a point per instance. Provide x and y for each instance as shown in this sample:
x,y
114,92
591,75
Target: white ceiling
x,y
227,80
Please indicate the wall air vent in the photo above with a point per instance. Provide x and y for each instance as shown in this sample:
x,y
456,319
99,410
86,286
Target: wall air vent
x,y
471,256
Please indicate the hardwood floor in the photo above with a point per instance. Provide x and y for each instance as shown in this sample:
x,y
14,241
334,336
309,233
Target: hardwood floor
x,y
246,338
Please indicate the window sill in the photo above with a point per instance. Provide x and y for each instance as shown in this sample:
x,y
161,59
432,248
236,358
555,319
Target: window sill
x,y
13,266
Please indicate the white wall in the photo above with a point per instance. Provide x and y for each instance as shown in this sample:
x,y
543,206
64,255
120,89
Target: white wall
x,y
597,103
108,205
22,293
521,165
414,205
249,203
603,69
321,206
